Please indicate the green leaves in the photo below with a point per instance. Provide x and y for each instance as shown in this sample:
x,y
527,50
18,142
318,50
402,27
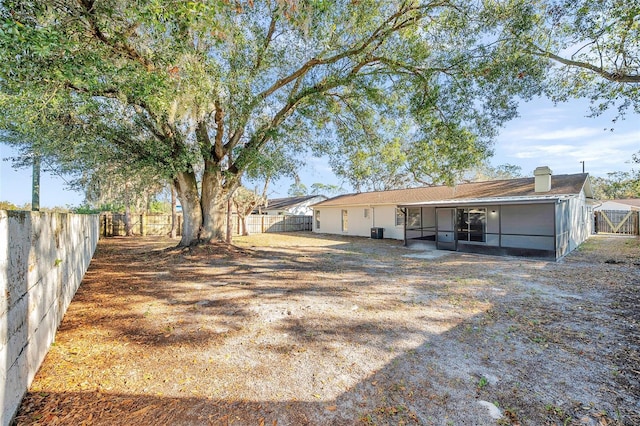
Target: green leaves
x,y
591,46
394,93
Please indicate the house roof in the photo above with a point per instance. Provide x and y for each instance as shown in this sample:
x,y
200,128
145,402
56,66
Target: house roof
x,y
284,203
633,202
521,188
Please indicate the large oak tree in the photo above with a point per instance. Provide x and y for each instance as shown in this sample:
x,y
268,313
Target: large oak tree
x,y
206,91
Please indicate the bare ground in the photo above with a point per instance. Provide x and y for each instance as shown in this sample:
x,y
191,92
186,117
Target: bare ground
x,y
301,329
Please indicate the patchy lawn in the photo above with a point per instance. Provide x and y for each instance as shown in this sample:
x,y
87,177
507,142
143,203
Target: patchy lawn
x,y
295,329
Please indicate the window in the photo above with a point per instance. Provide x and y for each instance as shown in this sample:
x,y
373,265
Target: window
x,y
366,213
472,224
345,221
399,217
317,219
413,218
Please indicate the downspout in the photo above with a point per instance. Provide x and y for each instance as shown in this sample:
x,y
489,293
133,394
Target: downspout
x,y
373,215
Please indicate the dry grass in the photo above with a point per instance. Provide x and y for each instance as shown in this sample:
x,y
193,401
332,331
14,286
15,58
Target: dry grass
x,y
293,329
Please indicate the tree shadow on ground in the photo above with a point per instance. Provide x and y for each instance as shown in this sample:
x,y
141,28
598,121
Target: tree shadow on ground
x,y
499,333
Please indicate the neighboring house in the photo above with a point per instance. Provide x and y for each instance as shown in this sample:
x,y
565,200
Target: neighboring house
x,y
300,206
542,216
625,204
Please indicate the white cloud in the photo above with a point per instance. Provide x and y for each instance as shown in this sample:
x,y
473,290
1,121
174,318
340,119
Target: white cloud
x,y
564,147
566,133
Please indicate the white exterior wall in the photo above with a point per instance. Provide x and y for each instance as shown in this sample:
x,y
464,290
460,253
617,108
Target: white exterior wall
x,y
43,257
330,220
358,225
581,221
385,217
573,224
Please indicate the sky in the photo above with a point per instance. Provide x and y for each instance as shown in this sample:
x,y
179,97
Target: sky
x,y
544,135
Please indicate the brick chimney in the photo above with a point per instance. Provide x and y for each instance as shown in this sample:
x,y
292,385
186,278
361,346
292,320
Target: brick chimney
x,y
542,176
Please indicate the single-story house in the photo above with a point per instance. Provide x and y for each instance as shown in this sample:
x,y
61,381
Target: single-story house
x,y
541,216
627,204
300,206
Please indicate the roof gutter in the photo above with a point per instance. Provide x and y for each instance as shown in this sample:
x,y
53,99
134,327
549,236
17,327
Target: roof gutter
x,y
488,202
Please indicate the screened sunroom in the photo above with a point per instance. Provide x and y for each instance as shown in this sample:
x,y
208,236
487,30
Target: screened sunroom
x,y
539,227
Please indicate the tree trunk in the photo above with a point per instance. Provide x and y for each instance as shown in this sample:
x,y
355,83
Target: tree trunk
x,y
245,230
128,229
187,188
214,204
174,213
229,222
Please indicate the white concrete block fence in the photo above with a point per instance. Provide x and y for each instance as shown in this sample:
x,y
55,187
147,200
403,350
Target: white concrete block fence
x,y
43,257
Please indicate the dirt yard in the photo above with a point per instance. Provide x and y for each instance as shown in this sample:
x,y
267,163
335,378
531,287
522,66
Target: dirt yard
x,y
297,329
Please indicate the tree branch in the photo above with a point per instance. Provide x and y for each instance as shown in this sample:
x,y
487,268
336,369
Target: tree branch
x,y
615,77
218,148
119,47
267,41
379,34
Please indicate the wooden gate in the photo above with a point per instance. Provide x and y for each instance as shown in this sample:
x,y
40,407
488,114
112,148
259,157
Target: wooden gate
x,y
620,222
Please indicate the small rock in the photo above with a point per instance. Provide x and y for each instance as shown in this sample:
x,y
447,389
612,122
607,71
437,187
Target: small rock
x,y
494,412
586,420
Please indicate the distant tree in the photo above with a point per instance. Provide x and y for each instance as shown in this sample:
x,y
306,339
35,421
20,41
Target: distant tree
x,y
297,188
325,189
6,205
616,185
202,91
487,172
245,202
130,187
86,209
635,178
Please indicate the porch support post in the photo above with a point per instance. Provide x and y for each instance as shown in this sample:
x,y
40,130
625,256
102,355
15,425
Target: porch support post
x,y
500,226
404,212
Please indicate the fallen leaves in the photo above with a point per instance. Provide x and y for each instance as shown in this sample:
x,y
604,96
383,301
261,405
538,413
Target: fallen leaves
x,y
330,331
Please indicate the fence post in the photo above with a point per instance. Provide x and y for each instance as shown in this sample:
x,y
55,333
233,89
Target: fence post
x,y
262,225
142,224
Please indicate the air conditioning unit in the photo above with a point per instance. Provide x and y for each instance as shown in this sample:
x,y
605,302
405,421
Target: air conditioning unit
x,y
377,233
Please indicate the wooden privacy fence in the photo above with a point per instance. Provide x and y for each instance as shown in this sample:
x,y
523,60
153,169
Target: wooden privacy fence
x,y
113,224
621,222
259,224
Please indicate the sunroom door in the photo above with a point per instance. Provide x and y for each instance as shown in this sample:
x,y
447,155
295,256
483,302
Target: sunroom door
x,y
446,229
